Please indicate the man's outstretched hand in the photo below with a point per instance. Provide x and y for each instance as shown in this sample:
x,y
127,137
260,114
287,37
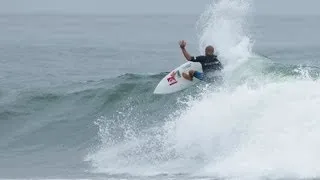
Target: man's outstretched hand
x,y
184,51
182,44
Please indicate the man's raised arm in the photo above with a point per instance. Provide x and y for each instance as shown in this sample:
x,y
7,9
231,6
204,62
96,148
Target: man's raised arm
x,y
184,51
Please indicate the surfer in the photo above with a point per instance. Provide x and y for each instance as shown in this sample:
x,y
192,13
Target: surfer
x,y
210,63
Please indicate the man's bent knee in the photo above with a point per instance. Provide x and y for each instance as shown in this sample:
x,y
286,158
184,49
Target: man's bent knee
x,y
191,73
188,75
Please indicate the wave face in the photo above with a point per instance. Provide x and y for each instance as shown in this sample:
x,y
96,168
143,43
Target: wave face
x,y
250,126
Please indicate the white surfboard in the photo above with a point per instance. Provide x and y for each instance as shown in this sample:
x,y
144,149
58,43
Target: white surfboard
x,y
173,83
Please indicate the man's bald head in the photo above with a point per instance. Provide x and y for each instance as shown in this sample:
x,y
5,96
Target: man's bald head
x,y
209,50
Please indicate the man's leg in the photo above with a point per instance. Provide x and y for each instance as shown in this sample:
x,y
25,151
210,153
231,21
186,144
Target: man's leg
x,y
198,75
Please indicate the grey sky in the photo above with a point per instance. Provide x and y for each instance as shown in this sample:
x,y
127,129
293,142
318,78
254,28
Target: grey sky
x,y
149,6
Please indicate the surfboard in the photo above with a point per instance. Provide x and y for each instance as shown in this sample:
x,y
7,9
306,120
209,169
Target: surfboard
x,y
174,82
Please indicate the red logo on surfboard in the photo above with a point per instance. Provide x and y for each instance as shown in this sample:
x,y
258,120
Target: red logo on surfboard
x,y
172,80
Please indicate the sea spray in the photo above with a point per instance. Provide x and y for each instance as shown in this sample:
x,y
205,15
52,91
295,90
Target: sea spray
x,y
223,24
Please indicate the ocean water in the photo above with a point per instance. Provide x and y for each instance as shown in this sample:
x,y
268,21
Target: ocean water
x,y
77,102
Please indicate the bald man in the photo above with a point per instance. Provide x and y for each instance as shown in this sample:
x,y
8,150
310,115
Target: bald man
x,y
209,63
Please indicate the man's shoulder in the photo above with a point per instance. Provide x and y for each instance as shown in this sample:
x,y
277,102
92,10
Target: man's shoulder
x,y
200,57
197,58
214,57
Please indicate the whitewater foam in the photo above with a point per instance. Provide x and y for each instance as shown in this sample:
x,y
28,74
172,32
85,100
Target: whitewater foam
x,y
279,127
